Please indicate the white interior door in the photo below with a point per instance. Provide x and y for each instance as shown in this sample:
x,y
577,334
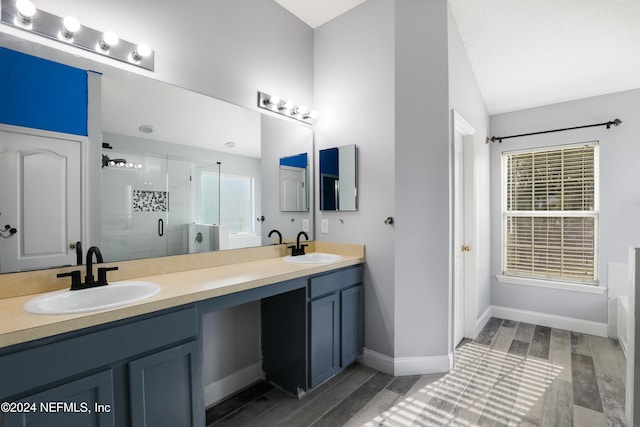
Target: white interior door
x,y
40,185
458,240
292,189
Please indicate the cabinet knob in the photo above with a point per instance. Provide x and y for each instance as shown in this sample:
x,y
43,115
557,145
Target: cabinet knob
x,y
466,248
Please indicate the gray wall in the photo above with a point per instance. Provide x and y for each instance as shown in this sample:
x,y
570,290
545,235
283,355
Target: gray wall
x,y
226,49
619,192
354,90
382,82
423,164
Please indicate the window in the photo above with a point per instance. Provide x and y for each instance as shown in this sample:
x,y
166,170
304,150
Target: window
x,y
550,213
236,205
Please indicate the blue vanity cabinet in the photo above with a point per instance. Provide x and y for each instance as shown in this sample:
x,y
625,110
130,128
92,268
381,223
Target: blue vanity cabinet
x,y
162,388
324,338
352,324
87,401
336,319
309,334
133,372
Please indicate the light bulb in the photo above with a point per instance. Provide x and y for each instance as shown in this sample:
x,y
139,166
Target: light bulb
x,y
273,100
141,51
109,39
302,110
70,26
288,105
311,115
26,11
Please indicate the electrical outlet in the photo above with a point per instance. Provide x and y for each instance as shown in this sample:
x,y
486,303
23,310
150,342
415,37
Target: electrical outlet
x,y
324,224
305,225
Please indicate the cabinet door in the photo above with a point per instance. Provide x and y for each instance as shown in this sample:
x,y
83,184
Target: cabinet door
x,y
87,402
324,338
352,322
166,388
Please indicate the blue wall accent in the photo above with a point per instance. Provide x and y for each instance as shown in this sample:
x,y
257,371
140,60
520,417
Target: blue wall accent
x,y
329,161
299,161
41,94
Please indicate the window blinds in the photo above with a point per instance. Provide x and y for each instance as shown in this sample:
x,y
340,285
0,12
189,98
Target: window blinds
x,y
550,213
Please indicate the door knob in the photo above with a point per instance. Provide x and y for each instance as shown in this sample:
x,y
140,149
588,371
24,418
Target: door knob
x,y
465,248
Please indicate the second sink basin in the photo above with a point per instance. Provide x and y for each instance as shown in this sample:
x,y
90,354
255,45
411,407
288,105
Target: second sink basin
x,y
313,258
113,295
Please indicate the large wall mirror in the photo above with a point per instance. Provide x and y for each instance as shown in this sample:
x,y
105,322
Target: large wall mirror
x,y
338,179
180,172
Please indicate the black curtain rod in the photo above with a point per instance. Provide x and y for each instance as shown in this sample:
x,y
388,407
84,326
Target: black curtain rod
x,y
608,124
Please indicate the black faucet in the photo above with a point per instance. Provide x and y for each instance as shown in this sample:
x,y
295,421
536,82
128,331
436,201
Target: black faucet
x,y
298,249
89,281
78,253
279,236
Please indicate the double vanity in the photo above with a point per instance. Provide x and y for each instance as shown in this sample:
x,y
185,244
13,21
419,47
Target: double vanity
x,y
141,364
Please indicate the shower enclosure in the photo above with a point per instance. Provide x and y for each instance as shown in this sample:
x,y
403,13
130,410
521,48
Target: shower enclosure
x,y
145,205
156,205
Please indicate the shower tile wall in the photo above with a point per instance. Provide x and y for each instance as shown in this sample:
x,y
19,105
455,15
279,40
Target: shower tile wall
x,y
150,201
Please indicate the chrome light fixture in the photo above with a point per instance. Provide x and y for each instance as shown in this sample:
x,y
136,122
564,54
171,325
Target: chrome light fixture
x,y
24,15
286,108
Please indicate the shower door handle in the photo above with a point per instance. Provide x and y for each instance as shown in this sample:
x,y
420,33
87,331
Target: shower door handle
x,y
160,227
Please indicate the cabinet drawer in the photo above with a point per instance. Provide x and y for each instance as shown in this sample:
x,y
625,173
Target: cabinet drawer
x,y
334,281
97,347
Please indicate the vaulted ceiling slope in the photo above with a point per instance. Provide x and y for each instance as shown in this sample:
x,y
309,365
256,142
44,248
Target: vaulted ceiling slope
x,y
529,53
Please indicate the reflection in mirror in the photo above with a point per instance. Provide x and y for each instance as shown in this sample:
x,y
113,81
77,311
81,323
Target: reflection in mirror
x,y
338,179
168,199
190,133
294,191
284,138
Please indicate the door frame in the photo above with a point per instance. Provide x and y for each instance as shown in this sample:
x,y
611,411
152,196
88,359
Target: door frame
x,y
461,126
84,161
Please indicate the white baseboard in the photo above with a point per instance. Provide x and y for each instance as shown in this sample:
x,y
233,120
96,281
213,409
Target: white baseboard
x,y
482,321
378,361
406,365
551,320
228,385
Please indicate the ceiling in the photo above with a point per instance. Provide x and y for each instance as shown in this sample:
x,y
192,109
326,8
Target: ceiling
x,y
316,12
529,53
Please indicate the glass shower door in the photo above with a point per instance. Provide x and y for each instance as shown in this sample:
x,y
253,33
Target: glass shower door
x,y
135,200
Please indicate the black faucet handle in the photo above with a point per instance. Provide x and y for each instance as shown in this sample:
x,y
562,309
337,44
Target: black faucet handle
x,y
76,281
301,250
102,274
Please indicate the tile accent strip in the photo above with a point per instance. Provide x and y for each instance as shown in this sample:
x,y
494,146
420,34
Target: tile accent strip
x,y
150,201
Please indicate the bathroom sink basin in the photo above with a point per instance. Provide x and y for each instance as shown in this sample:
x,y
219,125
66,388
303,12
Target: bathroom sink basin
x,y
313,258
113,295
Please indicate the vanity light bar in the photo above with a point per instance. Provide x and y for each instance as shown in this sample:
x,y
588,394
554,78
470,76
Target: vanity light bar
x,y
22,14
286,108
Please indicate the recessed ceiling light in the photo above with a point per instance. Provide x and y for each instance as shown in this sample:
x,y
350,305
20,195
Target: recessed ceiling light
x,y
230,144
146,129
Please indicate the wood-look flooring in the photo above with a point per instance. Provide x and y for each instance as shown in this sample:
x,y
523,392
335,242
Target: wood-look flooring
x,y
512,374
